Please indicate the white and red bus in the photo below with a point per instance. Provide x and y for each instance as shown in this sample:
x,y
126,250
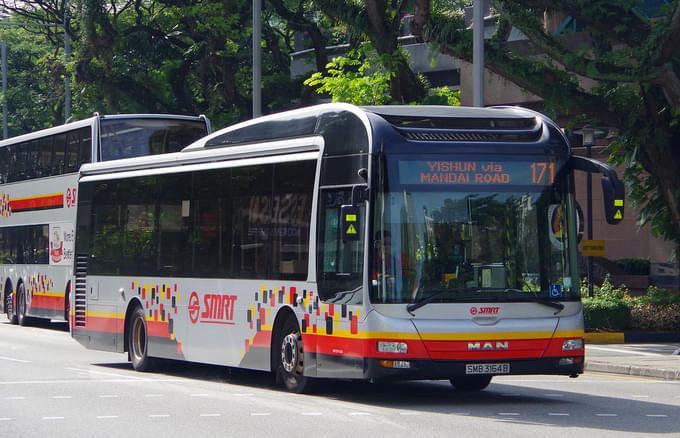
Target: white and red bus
x,y
401,242
39,192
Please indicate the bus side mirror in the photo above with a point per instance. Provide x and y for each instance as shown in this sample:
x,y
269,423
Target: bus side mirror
x,y
613,193
612,187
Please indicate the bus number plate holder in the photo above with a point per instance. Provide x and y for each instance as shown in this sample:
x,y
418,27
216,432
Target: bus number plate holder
x,y
487,368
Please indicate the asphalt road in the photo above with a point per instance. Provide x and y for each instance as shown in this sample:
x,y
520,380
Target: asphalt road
x,y
51,386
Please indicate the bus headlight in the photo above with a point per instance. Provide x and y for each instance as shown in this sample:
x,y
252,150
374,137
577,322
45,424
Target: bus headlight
x,y
392,347
572,344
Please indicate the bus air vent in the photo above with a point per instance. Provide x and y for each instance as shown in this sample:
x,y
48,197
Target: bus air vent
x,y
81,290
450,135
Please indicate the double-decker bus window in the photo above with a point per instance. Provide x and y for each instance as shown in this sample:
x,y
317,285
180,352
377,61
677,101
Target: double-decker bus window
x,y
46,151
4,163
58,165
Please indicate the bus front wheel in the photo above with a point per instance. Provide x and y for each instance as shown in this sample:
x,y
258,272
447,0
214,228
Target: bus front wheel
x,y
290,358
138,341
471,383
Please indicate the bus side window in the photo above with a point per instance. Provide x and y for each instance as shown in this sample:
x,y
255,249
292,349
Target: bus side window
x,y
59,152
32,159
12,163
72,152
4,163
46,152
85,146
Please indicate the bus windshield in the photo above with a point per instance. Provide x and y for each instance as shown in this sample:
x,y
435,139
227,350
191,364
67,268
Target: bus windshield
x,y
473,230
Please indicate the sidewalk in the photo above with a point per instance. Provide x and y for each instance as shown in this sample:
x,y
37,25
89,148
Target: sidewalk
x,y
657,360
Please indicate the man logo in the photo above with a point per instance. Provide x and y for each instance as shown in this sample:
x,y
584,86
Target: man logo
x,y
487,346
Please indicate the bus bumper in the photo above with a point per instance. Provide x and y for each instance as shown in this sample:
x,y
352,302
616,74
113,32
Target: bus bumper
x,y
416,369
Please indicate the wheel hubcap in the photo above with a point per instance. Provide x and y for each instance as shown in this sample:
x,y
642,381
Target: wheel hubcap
x,y
289,353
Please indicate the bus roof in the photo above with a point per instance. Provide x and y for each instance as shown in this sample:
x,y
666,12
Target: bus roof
x,y
88,121
423,122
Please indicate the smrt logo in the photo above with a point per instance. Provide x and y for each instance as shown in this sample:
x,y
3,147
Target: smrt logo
x,y
216,308
194,307
484,310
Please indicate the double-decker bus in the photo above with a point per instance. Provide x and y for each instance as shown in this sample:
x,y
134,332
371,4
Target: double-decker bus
x,y
400,242
39,192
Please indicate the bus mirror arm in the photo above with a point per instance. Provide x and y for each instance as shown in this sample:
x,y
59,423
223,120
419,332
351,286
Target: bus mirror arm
x,y
613,190
359,193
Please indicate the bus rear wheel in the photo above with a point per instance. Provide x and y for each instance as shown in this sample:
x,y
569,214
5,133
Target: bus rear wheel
x,y
471,383
9,307
21,305
138,341
290,358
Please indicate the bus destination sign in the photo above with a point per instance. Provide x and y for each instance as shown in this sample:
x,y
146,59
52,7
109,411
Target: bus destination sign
x,y
476,172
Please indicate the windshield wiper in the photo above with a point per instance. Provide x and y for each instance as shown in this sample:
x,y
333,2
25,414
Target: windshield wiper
x,y
531,298
428,299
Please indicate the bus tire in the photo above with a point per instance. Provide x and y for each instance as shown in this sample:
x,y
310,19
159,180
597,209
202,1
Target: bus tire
x,y
138,341
9,306
22,319
290,358
471,383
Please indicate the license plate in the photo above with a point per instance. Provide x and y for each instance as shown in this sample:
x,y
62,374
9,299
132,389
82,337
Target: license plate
x,y
487,368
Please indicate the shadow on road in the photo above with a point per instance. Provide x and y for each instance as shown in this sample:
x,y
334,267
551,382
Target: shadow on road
x,y
514,403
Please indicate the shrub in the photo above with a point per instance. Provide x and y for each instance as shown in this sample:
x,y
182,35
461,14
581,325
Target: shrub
x,y
633,266
606,314
654,317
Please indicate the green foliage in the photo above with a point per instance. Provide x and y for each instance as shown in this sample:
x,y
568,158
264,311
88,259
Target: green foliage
x,y
357,78
612,308
633,266
605,314
442,96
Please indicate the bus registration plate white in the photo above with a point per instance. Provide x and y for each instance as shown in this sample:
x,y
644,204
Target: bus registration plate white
x,y
487,368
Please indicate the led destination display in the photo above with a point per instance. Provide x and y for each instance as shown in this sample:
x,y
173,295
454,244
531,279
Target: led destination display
x,y
474,172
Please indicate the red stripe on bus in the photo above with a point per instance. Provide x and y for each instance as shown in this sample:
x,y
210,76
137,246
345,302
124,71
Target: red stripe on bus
x,y
102,324
440,350
56,200
47,302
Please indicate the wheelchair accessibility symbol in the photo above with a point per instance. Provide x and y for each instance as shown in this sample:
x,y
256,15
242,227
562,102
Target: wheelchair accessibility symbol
x,y
555,290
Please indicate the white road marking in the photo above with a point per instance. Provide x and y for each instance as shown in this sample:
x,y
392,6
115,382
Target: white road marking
x,y
62,396
11,359
52,418
259,414
620,350
358,413
200,395
508,414
108,396
159,416
553,395
640,396
81,381
102,417
5,419
15,398
558,414
153,395
409,413
210,415
607,415
311,413
103,373
657,415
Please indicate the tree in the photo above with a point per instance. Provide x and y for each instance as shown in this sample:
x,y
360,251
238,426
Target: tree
x,y
631,57
379,21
